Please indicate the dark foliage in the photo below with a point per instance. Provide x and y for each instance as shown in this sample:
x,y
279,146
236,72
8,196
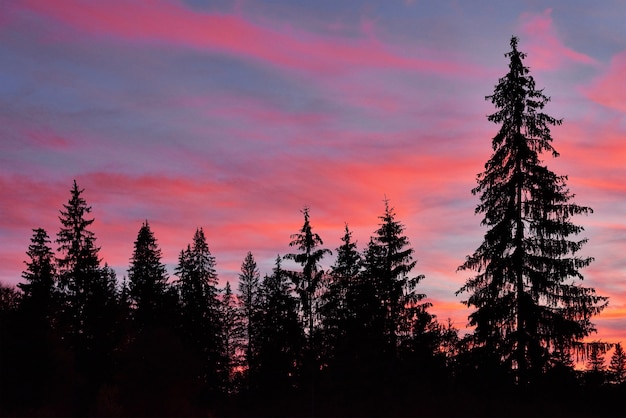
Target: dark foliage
x,y
527,306
355,340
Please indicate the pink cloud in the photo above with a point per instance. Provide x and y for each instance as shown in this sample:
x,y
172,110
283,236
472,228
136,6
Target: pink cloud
x,y
545,48
609,89
234,35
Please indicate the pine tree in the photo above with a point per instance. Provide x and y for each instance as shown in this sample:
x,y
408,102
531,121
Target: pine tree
x,y
89,312
87,288
249,299
231,338
388,264
595,361
337,307
79,264
40,276
526,303
147,278
617,367
280,338
307,281
202,323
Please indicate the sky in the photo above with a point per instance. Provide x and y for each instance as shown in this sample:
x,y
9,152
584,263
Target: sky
x,y
233,116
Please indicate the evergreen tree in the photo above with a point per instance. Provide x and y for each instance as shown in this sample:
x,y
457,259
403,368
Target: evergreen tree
x,y
337,303
147,279
274,369
231,339
79,264
595,361
88,289
526,304
307,281
617,367
249,299
89,311
388,264
202,324
38,290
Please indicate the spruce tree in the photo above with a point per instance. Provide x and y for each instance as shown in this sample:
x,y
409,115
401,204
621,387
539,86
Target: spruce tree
x,y
388,264
307,281
202,324
617,366
249,298
595,360
89,312
231,337
526,302
279,341
40,276
79,264
86,287
147,279
338,305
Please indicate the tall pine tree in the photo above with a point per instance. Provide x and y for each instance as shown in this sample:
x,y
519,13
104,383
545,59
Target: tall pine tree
x,y
526,304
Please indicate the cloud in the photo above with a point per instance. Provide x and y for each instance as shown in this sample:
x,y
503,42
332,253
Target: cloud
x,y
609,88
171,23
544,46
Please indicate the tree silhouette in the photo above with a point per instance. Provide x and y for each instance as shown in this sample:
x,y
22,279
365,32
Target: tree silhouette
x,y
249,299
40,276
231,338
389,262
526,304
338,305
147,278
617,366
280,337
202,324
89,311
307,281
79,264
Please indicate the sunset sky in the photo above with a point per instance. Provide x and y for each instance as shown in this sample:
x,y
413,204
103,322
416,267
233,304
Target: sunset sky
x,y
235,115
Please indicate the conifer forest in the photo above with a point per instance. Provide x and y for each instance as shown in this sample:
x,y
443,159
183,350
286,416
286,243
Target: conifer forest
x,y
355,339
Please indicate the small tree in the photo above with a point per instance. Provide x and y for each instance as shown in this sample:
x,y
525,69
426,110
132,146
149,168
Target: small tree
x,y
147,278
231,338
595,360
274,369
40,275
337,309
307,282
249,299
617,367
202,324
389,262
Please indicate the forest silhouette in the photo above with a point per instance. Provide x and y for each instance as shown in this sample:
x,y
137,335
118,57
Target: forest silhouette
x,y
353,340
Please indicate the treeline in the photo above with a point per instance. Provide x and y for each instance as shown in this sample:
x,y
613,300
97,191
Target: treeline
x,y
357,339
